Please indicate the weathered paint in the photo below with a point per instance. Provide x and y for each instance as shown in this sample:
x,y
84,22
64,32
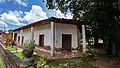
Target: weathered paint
x,y
43,29
84,38
32,33
18,34
26,34
46,30
52,48
66,29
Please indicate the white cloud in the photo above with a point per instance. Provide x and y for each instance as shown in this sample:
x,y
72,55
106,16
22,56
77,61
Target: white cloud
x,y
69,15
12,17
3,24
35,14
59,14
1,1
20,2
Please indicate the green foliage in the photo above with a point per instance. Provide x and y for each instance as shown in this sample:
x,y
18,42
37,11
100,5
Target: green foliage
x,y
11,48
89,55
76,63
6,39
1,64
101,16
44,62
19,54
29,44
41,61
1,30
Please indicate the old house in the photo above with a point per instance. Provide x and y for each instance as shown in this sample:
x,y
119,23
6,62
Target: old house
x,y
53,34
7,36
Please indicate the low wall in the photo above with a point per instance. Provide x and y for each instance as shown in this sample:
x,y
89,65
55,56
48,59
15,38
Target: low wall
x,y
9,59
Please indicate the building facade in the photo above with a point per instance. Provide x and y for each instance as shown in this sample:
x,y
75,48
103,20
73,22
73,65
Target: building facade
x,y
54,35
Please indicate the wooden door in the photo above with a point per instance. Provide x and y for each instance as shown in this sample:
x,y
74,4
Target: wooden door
x,y
22,39
66,42
41,40
18,39
15,37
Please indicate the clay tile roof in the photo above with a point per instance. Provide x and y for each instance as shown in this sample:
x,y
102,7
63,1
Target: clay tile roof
x,y
45,21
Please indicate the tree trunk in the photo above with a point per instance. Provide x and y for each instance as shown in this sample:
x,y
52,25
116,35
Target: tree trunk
x,y
109,47
117,50
96,42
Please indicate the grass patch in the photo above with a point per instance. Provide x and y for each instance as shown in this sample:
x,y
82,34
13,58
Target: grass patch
x,y
19,54
1,64
42,61
109,57
69,64
11,48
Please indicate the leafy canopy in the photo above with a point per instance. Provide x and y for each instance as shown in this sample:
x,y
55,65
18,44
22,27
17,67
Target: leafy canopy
x,y
102,16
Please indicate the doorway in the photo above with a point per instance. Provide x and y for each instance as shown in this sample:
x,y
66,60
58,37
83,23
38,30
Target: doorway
x,y
66,42
41,40
22,39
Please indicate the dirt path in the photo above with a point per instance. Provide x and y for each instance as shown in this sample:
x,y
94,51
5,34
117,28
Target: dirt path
x,y
102,63
105,64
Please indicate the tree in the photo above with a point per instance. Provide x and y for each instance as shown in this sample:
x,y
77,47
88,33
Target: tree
x,y
101,16
0,30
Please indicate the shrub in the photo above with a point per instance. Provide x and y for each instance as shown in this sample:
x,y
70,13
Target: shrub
x,y
29,44
89,55
41,61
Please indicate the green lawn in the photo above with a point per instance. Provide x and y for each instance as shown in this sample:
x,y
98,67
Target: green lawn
x,y
1,65
69,64
19,54
11,48
43,62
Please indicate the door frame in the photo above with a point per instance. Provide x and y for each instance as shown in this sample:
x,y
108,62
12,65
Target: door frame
x,y
18,39
70,42
15,37
42,40
22,39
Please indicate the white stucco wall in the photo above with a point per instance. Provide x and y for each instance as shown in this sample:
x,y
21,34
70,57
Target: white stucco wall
x,y
26,34
43,29
18,34
46,30
66,29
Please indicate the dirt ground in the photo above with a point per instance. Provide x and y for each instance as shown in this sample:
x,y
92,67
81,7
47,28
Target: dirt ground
x,y
103,62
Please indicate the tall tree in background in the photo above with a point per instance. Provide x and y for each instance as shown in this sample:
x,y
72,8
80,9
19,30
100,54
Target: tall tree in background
x,y
102,17
0,30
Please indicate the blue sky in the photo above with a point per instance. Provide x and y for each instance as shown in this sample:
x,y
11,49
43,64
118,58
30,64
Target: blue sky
x,y
17,13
